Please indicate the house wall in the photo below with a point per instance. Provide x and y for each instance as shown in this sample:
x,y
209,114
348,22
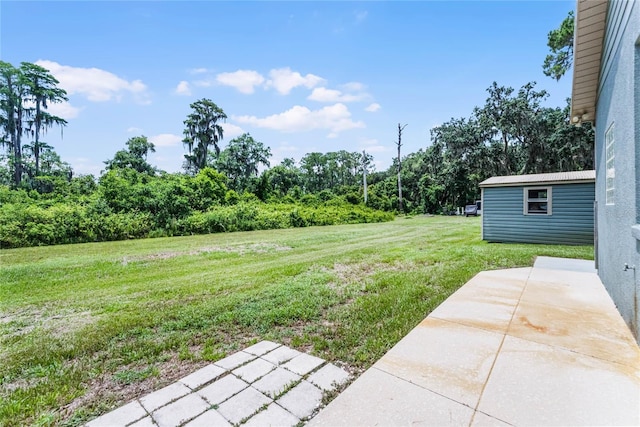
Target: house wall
x,y
571,221
619,104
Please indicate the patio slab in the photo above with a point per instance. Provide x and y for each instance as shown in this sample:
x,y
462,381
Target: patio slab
x,y
540,346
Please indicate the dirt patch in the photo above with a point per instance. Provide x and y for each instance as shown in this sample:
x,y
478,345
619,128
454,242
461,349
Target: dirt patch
x,y
257,248
107,387
358,274
58,324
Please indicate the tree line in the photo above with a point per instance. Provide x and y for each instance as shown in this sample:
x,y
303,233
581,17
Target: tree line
x,y
234,187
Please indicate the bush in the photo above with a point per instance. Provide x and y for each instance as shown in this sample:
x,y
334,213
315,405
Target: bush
x,y
129,205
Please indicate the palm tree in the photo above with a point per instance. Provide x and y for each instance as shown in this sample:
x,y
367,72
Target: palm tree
x,y
202,130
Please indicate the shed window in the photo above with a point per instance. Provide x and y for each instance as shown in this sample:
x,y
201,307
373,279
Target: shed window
x,y
537,201
609,142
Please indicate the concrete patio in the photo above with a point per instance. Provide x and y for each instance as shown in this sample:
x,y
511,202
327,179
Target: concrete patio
x,y
525,346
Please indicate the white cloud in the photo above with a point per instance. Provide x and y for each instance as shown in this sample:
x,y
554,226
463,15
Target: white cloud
x,y
283,151
373,107
204,82
84,166
322,94
243,80
230,130
361,16
165,140
335,118
96,84
169,161
63,109
354,87
134,129
283,80
198,70
372,146
183,88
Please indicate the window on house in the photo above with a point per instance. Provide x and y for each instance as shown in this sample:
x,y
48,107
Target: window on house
x,y
537,201
609,142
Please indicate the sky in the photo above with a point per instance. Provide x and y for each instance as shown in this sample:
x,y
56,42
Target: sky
x,y
298,76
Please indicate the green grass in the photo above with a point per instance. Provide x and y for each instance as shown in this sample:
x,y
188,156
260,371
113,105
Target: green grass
x,y
89,326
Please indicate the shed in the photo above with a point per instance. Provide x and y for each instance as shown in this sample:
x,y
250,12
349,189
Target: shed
x,y
552,208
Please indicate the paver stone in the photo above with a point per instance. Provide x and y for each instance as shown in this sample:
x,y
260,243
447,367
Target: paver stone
x,y
329,377
124,415
243,405
303,364
211,418
161,397
274,415
301,400
180,411
145,422
254,370
261,348
222,389
280,355
235,360
202,376
276,382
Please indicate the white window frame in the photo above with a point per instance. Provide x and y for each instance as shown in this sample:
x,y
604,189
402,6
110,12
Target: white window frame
x,y
527,200
610,166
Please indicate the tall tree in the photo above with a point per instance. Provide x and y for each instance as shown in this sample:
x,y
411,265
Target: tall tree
x,y
12,110
202,131
399,144
42,90
560,42
366,163
134,156
514,118
313,167
241,161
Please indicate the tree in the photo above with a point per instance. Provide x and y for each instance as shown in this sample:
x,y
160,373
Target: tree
x,y
134,157
399,144
515,119
25,93
41,90
313,167
281,179
12,112
241,160
366,162
560,42
202,131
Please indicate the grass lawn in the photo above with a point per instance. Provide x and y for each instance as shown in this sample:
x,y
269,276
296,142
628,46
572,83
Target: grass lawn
x,y
87,327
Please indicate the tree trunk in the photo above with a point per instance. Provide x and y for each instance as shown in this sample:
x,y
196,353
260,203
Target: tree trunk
x,y
36,143
364,174
399,144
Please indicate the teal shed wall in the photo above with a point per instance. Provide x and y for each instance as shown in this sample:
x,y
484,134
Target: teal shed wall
x,y
571,222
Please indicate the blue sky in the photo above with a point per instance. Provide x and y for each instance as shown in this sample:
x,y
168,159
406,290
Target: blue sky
x,y
299,76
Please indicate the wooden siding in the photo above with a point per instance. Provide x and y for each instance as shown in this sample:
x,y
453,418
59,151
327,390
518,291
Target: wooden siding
x,y
571,223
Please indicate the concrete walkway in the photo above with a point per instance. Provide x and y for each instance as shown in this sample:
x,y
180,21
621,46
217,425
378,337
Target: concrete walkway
x,y
265,384
525,346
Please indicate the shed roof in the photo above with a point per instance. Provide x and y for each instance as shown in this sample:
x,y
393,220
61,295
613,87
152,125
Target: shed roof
x,y
590,23
540,178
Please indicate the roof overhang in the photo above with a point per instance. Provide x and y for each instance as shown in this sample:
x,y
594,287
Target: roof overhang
x,y
590,23
541,179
